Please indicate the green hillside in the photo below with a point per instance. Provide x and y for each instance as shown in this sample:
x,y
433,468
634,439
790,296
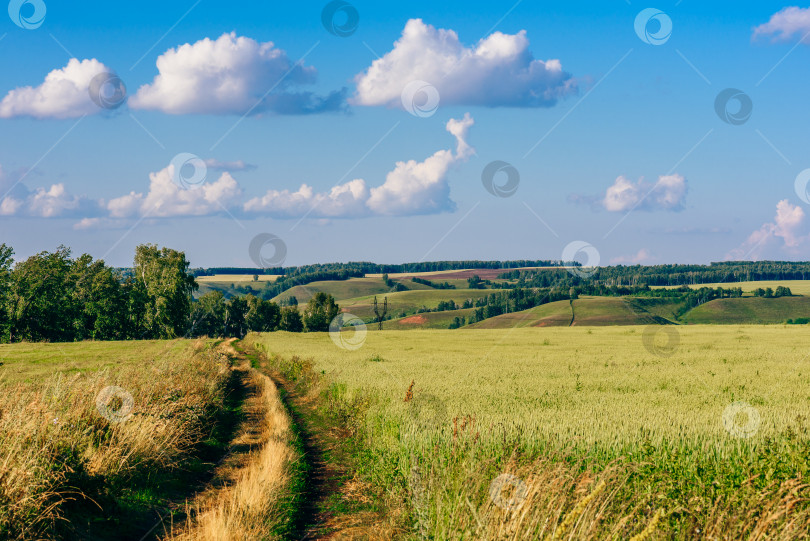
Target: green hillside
x,y
553,314
428,320
750,310
588,311
409,301
339,289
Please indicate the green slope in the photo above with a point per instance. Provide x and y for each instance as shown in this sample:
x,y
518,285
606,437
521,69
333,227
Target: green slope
x,y
553,314
409,301
339,289
751,310
587,311
428,320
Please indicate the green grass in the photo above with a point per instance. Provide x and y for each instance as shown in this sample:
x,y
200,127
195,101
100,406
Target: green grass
x,y
751,310
29,362
513,376
410,301
587,403
339,289
428,320
588,311
553,314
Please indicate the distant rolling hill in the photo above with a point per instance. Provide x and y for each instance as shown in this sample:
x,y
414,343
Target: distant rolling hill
x,y
749,310
339,289
410,301
586,311
428,320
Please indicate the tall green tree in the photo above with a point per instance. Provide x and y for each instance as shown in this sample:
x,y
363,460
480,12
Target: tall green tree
x,y
41,306
6,261
290,320
320,311
262,316
235,312
99,301
168,286
208,315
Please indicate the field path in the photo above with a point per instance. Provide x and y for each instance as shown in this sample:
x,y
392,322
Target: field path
x,y
334,504
242,500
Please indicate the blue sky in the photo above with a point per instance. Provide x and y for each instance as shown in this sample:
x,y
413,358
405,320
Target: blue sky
x,y
618,144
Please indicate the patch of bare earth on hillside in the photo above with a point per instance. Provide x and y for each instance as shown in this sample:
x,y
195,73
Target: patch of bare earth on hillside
x,y
413,320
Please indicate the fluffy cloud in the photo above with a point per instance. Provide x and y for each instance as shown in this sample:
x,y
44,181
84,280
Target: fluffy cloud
x,y
668,193
63,94
411,188
231,75
499,71
783,235
167,198
54,202
642,256
785,24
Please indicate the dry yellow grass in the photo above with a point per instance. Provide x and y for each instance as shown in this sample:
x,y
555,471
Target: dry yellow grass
x,y
56,433
251,505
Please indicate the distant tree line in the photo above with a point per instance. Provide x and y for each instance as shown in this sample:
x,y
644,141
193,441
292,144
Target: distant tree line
x,y
213,315
365,267
52,296
669,275
434,285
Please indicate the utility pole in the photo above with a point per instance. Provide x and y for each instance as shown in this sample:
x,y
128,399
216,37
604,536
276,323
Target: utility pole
x,y
380,318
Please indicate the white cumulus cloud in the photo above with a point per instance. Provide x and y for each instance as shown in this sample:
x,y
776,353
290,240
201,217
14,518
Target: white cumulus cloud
x,y
63,94
782,236
498,71
786,24
231,75
411,188
668,193
53,202
640,257
166,198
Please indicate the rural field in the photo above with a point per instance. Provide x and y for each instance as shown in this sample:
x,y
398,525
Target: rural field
x,y
699,430
404,271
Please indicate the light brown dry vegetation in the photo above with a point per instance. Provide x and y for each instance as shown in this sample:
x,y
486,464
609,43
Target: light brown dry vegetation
x,y
253,499
55,445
